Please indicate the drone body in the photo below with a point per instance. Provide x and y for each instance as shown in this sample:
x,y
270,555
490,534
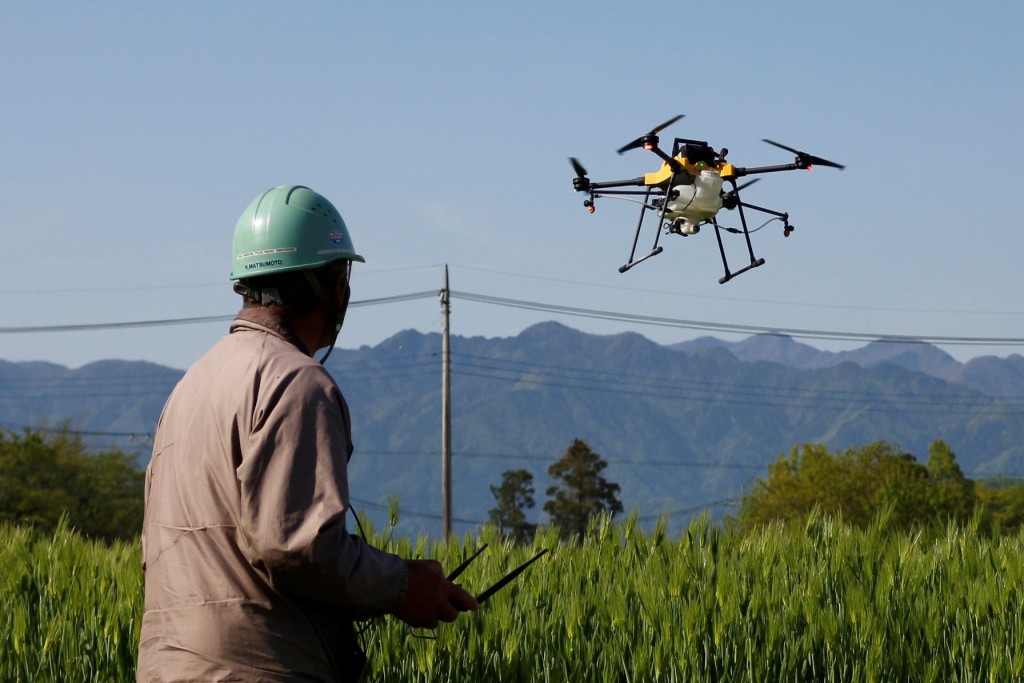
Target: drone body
x,y
687,192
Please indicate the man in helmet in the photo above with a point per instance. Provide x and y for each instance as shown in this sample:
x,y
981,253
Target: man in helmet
x,y
251,574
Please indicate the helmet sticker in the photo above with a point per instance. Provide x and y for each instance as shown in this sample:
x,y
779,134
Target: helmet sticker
x,y
337,237
265,252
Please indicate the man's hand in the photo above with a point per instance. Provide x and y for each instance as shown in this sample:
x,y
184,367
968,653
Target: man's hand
x,y
431,597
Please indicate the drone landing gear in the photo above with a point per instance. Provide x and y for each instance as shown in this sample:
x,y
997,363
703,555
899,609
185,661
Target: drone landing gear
x,y
632,262
655,249
733,201
754,262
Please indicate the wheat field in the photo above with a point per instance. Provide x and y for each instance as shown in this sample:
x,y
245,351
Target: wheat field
x,y
816,601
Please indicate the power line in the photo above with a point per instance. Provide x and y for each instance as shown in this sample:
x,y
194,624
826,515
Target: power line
x,y
558,376
658,386
547,458
412,513
691,295
577,311
85,327
731,327
731,393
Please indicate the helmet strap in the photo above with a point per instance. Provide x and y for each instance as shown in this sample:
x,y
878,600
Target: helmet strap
x,y
333,311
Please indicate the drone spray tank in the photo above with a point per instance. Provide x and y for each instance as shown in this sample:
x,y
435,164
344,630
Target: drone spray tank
x,y
691,204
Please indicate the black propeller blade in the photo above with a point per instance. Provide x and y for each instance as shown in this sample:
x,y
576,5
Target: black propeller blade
x,y
578,167
731,198
651,137
746,184
806,160
581,183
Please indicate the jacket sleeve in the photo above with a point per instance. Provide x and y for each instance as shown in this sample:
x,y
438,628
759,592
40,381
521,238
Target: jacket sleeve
x,y
294,495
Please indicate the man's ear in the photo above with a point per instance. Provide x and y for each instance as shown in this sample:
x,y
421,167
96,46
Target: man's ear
x,y
341,291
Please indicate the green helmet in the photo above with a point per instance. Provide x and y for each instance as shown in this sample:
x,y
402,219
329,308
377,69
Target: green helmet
x,y
287,228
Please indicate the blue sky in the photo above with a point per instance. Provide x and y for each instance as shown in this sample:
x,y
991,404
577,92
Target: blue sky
x,y
135,133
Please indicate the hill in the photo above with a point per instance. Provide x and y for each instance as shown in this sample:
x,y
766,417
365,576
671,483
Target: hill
x,y
681,427
1002,377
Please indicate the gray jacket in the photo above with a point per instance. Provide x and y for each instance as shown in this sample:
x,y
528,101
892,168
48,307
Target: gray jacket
x,y
250,572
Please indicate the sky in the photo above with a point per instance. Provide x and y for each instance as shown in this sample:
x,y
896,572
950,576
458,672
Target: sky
x,y
134,134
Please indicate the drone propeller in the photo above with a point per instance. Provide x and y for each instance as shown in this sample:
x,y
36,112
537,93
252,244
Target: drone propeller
x,y
581,183
578,167
807,160
744,185
650,138
732,197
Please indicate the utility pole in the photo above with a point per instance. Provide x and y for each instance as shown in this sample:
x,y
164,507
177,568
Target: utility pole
x,y
446,414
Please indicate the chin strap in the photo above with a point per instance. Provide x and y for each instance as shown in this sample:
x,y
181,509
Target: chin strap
x,y
325,301
325,356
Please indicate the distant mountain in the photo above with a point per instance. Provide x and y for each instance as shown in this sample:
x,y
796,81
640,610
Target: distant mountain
x,y
1001,377
681,427
115,403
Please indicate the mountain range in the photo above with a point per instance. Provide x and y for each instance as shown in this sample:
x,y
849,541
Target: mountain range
x,y
683,428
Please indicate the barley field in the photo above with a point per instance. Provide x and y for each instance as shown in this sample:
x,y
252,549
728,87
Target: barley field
x,y
816,601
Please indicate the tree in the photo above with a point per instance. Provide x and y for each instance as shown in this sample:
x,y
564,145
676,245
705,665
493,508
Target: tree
x,y
858,483
952,493
583,492
514,494
43,479
1003,499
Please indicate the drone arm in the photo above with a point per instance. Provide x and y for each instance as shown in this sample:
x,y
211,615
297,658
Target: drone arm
x,y
779,214
605,184
740,171
672,162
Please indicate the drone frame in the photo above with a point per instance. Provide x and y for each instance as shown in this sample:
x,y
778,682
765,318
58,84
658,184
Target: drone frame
x,y
687,160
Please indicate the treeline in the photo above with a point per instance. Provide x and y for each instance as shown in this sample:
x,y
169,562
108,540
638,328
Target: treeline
x,y
44,478
859,483
47,477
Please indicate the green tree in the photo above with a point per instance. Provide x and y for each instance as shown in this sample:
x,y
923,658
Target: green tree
x,y
514,494
42,479
858,483
583,493
1003,500
951,493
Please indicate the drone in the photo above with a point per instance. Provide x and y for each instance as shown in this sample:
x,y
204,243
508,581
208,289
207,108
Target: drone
x,y
687,192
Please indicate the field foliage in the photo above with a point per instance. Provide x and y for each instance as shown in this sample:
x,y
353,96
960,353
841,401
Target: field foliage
x,y
816,601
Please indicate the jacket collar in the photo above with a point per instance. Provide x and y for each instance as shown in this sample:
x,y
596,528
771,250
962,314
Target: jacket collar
x,y
259,318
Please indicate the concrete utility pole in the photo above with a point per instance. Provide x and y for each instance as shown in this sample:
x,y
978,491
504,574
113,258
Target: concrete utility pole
x,y
446,415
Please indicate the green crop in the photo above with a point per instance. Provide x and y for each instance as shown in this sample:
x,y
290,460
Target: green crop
x,y
818,601
71,607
